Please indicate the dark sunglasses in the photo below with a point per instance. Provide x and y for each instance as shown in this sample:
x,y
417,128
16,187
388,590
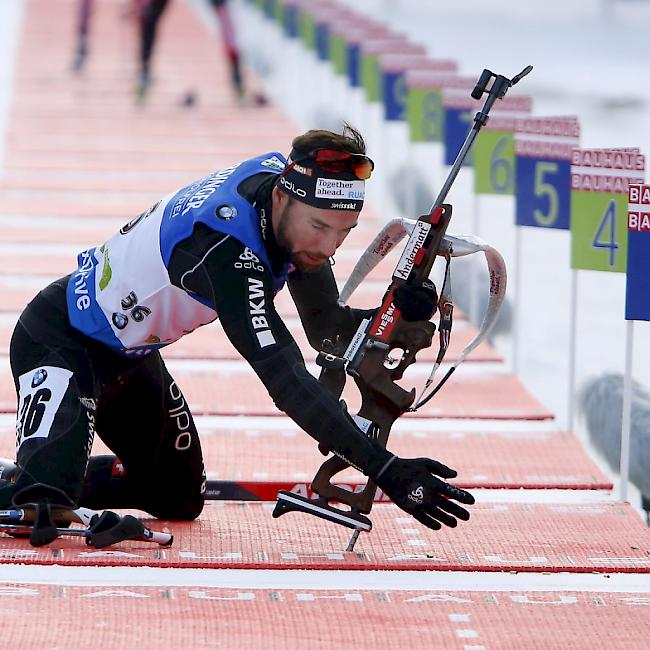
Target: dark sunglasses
x,y
337,162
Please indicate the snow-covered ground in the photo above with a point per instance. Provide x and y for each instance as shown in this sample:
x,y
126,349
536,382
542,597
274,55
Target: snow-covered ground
x,y
591,60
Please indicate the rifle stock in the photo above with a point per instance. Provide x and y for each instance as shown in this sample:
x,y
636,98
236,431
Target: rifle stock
x,y
382,399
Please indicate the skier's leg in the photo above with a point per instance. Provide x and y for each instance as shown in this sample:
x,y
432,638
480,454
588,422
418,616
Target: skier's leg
x,y
151,13
144,419
230,45
83,24
55,419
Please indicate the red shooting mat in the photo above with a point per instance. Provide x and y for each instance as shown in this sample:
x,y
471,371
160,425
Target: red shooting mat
x,y
234,389
210,342
483,459
562,537
71,205
17,291
98,162
24,259
94,116
122,616
82,233
486,459
190,58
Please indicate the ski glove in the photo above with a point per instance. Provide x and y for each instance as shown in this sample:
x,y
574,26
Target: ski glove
x,y
413,485
416,301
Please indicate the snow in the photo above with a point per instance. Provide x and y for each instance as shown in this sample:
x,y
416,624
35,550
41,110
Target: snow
x,y
591,59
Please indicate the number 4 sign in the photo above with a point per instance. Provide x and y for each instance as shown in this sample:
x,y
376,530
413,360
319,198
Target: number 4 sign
x,y
637,296
599,188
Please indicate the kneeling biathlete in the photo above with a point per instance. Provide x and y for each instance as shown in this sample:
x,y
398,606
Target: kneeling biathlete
x,y
85,353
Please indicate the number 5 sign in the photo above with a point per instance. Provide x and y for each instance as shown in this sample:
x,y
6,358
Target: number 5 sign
x,y
599,188
543,149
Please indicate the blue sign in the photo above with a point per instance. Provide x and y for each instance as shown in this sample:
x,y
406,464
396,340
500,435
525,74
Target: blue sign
x,y
323,42
354,64
542,192
269,8
291,21
393,90
457,122
637,294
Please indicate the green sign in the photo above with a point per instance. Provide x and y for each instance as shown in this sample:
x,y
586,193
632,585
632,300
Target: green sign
x,y
370,77
599,231
279,13
338,54
424,114
494,163
307,30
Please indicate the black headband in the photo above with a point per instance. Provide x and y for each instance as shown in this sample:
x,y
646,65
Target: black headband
x,y
309,184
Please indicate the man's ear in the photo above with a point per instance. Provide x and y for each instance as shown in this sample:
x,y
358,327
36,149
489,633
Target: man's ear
x,y
278,198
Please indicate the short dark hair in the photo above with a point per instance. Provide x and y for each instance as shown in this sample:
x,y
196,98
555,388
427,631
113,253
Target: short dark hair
x,y
349,140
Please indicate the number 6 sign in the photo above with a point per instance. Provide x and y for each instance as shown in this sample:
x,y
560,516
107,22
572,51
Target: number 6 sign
x,y
494,149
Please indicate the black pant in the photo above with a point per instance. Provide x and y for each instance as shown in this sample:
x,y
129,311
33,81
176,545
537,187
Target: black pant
x,y
70,387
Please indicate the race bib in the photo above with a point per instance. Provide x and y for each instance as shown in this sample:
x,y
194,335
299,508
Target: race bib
x,y
41,394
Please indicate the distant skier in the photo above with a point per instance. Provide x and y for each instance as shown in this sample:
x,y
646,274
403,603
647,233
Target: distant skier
x,y
84,12
152,11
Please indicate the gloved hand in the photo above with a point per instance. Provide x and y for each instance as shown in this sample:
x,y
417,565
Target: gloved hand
x,y
413,485
416,301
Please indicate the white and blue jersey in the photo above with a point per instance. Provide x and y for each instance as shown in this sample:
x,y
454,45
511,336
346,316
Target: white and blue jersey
x,y
121,293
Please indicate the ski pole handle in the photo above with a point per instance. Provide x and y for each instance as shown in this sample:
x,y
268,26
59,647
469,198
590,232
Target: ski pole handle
x,y
163,539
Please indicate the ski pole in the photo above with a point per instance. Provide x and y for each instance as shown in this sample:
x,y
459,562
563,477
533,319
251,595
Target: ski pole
x,y
107,529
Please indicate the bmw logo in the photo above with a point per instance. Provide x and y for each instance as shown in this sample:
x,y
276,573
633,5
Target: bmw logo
x,y
39,377
226,212
120,320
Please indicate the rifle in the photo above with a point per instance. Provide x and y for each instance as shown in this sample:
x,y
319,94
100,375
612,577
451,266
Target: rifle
x,y
367,358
